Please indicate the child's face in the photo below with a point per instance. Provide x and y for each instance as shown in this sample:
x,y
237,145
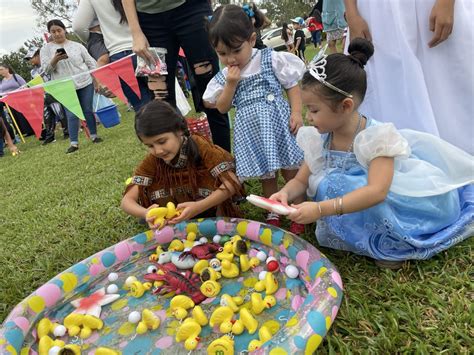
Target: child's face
x,y
164,146
320,114
239,56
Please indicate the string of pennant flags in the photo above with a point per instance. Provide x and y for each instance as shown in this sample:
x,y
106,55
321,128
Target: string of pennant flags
x,y
30,100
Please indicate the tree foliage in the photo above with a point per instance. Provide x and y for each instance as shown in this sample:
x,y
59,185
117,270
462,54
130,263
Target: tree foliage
x,y
280,11
54,9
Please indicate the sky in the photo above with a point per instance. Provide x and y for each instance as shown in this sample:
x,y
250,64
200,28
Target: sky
x,y
17,24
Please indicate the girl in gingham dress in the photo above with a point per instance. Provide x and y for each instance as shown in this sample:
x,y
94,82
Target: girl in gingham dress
x,y
253,81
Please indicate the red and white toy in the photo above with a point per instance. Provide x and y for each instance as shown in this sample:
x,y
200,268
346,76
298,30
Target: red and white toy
x,y
270,205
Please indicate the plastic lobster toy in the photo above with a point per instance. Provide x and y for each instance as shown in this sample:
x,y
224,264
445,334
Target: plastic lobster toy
x,y
175,281
203,251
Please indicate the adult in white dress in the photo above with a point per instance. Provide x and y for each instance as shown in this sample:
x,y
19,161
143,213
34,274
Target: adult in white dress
x,y
421,75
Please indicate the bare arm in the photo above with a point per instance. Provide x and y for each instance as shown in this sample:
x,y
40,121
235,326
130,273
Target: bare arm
x,y
296,118
140,42
130,203
378,184
294,188
224,102
357,25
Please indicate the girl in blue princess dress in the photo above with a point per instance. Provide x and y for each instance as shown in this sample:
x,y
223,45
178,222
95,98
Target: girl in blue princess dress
x,y
389,194
253,81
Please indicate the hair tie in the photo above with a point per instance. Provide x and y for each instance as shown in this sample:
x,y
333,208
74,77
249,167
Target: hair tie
x,y
248,11
356,60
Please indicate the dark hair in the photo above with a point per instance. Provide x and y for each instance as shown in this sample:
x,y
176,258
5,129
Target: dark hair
x,y
118,6
55,22
346,72
316,14
158,117
261,21
284,31
9,67
230,25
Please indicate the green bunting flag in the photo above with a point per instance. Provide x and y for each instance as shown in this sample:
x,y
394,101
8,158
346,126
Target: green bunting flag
x,y
65,92
37,80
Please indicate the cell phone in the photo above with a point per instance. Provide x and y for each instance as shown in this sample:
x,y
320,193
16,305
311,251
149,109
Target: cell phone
x,y
270,205
61,51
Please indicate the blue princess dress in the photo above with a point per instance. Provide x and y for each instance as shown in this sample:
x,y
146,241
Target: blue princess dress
x,y
263,142
430,205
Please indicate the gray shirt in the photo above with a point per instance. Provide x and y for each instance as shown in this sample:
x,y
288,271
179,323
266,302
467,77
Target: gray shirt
x,y
157,6
78,62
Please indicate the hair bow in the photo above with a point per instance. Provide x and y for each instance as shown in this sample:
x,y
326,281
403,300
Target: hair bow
x,y
248,11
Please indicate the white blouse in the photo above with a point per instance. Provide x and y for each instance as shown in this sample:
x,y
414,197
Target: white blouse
x,y
288,69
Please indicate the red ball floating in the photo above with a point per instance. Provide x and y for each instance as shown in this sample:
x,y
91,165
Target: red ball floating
x,y
272,264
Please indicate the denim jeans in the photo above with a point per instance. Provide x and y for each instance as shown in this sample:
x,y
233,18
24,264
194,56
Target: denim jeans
x,y
185,26
85,96
146,95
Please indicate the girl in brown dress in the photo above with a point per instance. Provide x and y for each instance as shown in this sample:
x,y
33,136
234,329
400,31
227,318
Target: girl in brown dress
x,y
186,169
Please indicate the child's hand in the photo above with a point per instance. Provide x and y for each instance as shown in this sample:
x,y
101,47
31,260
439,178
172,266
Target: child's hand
x,y
233,75
296,122
150,220
280,196
188,211
306,213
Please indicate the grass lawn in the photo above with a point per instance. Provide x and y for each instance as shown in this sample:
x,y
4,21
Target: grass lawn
x,y
58,209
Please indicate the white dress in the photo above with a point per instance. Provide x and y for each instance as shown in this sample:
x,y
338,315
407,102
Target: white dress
x,y
412,85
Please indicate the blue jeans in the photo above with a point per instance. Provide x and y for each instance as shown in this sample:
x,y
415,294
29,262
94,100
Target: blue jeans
x,y
316,37
142,84
85,96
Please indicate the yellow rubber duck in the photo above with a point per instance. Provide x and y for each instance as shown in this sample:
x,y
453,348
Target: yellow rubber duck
x,y
45,326
155,256
221,346
209,273
189,333
200,266
232,302
190,239
264,335
248,320
269,284
226,253
159,214
176,245
229,269
247,264
222,316
90,323
46,343
106,351
259,304
73,323
239,246
138,289
210,288
179,306
149,322
199,316
172,211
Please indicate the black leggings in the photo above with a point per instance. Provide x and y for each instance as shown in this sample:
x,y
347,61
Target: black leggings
x,y
185,27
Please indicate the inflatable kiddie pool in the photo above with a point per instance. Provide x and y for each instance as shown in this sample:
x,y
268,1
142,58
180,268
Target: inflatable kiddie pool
x,y
305,309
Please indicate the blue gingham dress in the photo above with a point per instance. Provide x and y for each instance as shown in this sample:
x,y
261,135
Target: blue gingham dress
x,y
263,142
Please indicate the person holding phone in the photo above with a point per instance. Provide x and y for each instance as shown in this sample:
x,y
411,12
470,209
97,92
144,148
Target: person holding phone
x,y
62,58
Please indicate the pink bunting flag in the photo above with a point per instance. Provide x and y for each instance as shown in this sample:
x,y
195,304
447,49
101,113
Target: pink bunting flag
x,y
30,103
124,69
111,80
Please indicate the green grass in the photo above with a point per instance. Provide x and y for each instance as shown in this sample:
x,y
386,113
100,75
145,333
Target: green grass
x,y
58,209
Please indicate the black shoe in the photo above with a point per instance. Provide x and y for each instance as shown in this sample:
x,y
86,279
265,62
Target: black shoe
x,y
72,149
48,140
97,140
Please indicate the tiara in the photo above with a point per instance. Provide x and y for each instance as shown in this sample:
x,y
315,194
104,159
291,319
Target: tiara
x,y
317,69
